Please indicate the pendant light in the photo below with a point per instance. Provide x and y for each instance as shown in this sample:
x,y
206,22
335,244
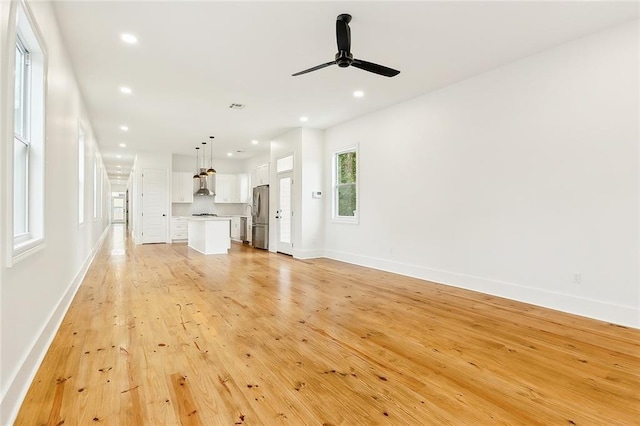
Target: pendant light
x,y
211,170
203,172
197,176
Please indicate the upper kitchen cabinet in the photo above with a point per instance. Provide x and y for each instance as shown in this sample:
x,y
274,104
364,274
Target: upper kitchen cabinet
x,y
181,187
260,175
232,188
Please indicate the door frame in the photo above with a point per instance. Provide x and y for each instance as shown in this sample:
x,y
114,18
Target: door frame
x,y
165,215
288,172
124,207
284,248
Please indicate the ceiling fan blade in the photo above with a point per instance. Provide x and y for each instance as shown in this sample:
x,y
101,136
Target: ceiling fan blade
x,y
318,67
374,68
343,33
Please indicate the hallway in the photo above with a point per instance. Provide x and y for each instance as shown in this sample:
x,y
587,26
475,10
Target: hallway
x,y
161,335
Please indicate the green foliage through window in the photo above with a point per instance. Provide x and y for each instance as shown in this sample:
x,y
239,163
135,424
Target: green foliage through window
x,y
346,177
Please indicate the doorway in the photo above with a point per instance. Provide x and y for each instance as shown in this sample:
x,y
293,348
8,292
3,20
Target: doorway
x,y
154,206
284,213
118,207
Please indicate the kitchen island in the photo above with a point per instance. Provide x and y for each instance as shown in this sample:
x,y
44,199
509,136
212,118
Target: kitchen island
x,y
209,234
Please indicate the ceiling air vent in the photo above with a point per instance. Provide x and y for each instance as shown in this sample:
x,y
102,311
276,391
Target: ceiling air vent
x,y
236,106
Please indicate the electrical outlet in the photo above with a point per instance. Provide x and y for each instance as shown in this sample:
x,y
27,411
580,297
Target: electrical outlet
x,y
577,278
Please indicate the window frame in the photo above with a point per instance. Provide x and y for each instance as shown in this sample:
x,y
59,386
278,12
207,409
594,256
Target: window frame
x,y
95,188
335,186
21,136
26,84
24,34
81,175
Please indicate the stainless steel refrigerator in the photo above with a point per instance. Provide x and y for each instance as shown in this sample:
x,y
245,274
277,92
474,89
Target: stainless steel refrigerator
x,y
260,217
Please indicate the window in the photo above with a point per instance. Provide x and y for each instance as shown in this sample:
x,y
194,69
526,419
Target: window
x,y
345,185
28,171
95,188
100,185
80,175
284,164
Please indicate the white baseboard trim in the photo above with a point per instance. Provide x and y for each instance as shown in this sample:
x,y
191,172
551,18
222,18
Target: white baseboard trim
x,y
308,254
20,382
628,316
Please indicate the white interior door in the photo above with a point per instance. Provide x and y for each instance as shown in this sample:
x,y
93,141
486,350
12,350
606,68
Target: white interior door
x,y
118,207
284,213
154,206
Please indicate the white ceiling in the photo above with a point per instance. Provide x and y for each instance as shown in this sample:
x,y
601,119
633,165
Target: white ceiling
x,y
194,59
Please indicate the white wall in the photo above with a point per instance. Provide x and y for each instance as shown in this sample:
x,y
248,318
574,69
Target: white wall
x,y
36,291
118,187
509,182
253,162
185,163
311,242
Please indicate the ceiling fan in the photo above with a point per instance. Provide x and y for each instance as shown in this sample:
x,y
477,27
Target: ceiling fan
x,y
344,58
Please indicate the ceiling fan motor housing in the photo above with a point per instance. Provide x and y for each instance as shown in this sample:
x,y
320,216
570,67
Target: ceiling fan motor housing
x,y
344,59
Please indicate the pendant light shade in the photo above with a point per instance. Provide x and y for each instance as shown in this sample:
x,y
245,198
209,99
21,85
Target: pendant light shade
x,y
203,172
211,170
197,176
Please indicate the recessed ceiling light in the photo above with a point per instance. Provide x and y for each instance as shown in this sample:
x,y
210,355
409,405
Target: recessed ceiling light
x,y
123,145
124,128
255,142
119,156
118,166
229,154
304,118
129,38
358,93
125,90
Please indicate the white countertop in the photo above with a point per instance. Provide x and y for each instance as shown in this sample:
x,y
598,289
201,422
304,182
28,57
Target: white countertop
x,y
203,218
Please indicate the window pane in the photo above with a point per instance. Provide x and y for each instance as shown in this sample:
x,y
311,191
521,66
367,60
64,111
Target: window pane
x,y
18,103
347,200
284,164
347,167
20,173
95,188
80,175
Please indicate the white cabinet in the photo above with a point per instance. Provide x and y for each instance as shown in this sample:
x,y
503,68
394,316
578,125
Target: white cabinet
x,y
179,228
235,228
225,188
181,187
243,188
232,188
261,175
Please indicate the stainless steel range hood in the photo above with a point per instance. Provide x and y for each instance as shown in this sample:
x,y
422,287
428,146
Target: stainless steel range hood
x,y
203,186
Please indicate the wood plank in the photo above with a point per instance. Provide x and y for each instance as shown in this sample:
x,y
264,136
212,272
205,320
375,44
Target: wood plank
x,y
160,334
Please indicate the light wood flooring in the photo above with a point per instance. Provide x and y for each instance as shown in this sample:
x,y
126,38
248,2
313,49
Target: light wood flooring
x,y
162,335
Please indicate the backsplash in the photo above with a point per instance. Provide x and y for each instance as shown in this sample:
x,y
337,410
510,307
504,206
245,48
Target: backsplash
x,y
206,205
